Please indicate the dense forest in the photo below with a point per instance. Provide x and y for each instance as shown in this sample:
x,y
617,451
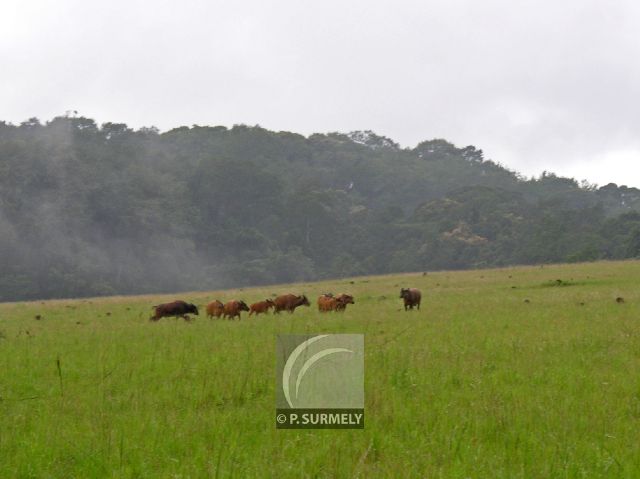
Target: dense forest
x,y
98,210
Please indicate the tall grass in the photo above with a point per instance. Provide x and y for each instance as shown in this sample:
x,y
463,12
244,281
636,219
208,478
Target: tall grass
x,y
479,383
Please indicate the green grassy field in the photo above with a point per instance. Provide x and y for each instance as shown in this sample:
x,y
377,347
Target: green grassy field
x,y
479,383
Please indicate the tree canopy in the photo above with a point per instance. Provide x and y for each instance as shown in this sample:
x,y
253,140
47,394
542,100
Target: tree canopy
x,y
92,210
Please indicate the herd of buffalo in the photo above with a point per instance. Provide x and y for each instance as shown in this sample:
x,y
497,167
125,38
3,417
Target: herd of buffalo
x,y
286,302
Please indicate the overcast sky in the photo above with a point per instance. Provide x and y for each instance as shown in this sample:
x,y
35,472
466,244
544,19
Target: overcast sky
x,y
538,85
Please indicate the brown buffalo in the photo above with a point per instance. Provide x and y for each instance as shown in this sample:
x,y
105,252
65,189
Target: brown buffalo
x,y
289,302
233,308
343,300
176,308
261,307
215,309
329,302
326,302
411,296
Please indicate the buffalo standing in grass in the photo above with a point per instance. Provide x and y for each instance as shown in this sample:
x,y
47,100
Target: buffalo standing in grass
x,y
215,309
326,302
343,300
261,307
329,302
412,297
176,308
233,308
289,302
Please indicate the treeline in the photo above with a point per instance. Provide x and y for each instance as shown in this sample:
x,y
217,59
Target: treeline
x,y
94,210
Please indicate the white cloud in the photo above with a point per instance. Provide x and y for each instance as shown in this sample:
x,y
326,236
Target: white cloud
x,y
537,85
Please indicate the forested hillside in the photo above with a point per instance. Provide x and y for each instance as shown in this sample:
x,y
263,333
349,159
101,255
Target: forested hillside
x,y
92,210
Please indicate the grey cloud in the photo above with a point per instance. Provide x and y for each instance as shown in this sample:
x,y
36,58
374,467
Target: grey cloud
x,y
538,85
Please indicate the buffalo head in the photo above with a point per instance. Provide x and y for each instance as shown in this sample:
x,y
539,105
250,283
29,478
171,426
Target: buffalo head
x,y
303,301
346,299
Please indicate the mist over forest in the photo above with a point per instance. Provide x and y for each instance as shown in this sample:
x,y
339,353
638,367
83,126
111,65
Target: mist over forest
x,y
91,210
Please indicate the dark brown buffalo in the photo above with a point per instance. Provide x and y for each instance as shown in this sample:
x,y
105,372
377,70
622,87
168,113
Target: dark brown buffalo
x,y
176,308
411,296
343,300
289,302
233,308
261,307
215,309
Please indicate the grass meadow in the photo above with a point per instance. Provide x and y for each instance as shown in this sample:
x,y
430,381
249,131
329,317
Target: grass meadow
x,y
504,373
